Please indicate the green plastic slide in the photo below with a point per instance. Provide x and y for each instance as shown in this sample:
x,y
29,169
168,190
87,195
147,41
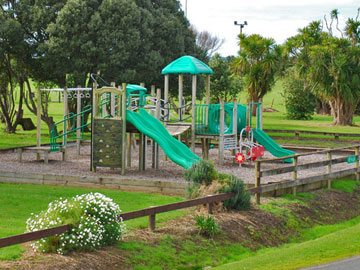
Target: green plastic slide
x,y
272,146
151,127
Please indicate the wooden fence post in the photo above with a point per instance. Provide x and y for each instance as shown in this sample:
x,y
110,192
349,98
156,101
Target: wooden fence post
x,y
294,174
152,222
329,156
221,135
257,180
357,163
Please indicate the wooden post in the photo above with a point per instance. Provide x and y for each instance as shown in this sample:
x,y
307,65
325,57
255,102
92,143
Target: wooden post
x,y
78,121
155,156
153,104
329,169
128,150
181,83
65,113
123,139
152,221
208,89
210,208
221,137
112,102
193,104
142,152
294,173
257,180
260,116
38,119
234,127
166,96
357,163
145,148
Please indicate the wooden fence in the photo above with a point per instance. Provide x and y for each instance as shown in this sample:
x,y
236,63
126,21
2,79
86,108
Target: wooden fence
x,y
151,212
295,168
297,133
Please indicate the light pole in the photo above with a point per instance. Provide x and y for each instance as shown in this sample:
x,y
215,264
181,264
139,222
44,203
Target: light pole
x,y
241,25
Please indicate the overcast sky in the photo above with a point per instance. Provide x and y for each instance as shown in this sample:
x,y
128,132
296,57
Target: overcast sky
x,y
278,19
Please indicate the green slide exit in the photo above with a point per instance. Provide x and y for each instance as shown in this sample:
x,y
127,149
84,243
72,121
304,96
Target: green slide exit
x,y
151,127
271,145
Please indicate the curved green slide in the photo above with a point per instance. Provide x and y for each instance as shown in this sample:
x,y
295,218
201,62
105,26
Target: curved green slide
x,y
151,127
272,146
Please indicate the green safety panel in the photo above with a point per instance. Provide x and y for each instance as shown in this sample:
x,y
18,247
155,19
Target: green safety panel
x,y
187,65
107,143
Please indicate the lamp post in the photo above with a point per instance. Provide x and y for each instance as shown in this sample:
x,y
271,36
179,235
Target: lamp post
x,y
241,25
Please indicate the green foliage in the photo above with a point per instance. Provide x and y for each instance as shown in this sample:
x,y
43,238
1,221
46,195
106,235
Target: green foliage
x,y
345,185
300,103
241,200
18,201
224,85
93,223
207,226
259,60
202,172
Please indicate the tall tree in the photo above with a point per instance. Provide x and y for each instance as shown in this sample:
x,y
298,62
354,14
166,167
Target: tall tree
x,y
208,42
258,62
224,85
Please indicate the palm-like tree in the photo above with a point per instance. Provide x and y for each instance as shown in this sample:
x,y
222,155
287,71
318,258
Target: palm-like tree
x,y
258,62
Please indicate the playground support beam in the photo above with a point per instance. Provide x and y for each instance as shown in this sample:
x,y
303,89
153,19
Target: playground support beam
x,y
181,83
38,114
166,96
193,104
208,89
221,137
65,113
123,118
78,121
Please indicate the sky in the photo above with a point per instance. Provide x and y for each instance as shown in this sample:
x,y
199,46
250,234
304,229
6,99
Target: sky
x,y
278,19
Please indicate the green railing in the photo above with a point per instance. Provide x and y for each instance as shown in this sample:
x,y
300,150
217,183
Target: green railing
x,y
69,117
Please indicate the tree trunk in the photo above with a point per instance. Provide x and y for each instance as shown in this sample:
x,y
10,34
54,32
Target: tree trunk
x,y
322,107
343,112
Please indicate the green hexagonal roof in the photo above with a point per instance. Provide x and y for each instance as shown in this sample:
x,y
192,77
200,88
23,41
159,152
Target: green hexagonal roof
x,y
187,64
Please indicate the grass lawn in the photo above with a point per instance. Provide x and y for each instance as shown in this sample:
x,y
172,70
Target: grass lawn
x,y
19,201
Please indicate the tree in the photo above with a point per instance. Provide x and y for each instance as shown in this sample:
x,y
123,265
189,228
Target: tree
x,y
329,65
208,42
224,85
335,67
258,62
13,54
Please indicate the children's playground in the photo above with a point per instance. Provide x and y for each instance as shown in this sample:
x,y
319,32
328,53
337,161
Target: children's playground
x,y
138,136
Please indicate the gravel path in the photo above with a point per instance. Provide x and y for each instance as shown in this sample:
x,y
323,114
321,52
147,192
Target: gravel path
x,y
169,171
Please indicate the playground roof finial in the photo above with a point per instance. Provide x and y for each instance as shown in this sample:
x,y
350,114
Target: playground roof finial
x,y
187,64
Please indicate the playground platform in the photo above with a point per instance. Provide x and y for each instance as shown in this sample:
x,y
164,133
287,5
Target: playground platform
x,y
168,179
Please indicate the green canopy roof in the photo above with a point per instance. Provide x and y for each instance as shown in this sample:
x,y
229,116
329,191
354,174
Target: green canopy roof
x,y
187,64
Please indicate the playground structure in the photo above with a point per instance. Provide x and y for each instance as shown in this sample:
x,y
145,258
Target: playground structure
x,y
221,122
121,110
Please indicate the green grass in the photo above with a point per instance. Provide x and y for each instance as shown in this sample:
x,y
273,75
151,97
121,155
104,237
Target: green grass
x,y
19,201
345,185
330,247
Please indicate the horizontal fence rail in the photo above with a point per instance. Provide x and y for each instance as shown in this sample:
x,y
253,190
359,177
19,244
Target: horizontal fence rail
x,y
295,168
151,212
297,133
31,236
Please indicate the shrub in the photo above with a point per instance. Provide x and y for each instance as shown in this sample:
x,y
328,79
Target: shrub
x,y
241,200
201,172
300,103
93,223
207,226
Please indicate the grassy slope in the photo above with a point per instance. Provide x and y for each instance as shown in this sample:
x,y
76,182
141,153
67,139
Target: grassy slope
x,y
331,247
19,201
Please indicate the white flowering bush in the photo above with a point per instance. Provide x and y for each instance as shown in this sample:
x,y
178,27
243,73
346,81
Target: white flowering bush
x,y
93,223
